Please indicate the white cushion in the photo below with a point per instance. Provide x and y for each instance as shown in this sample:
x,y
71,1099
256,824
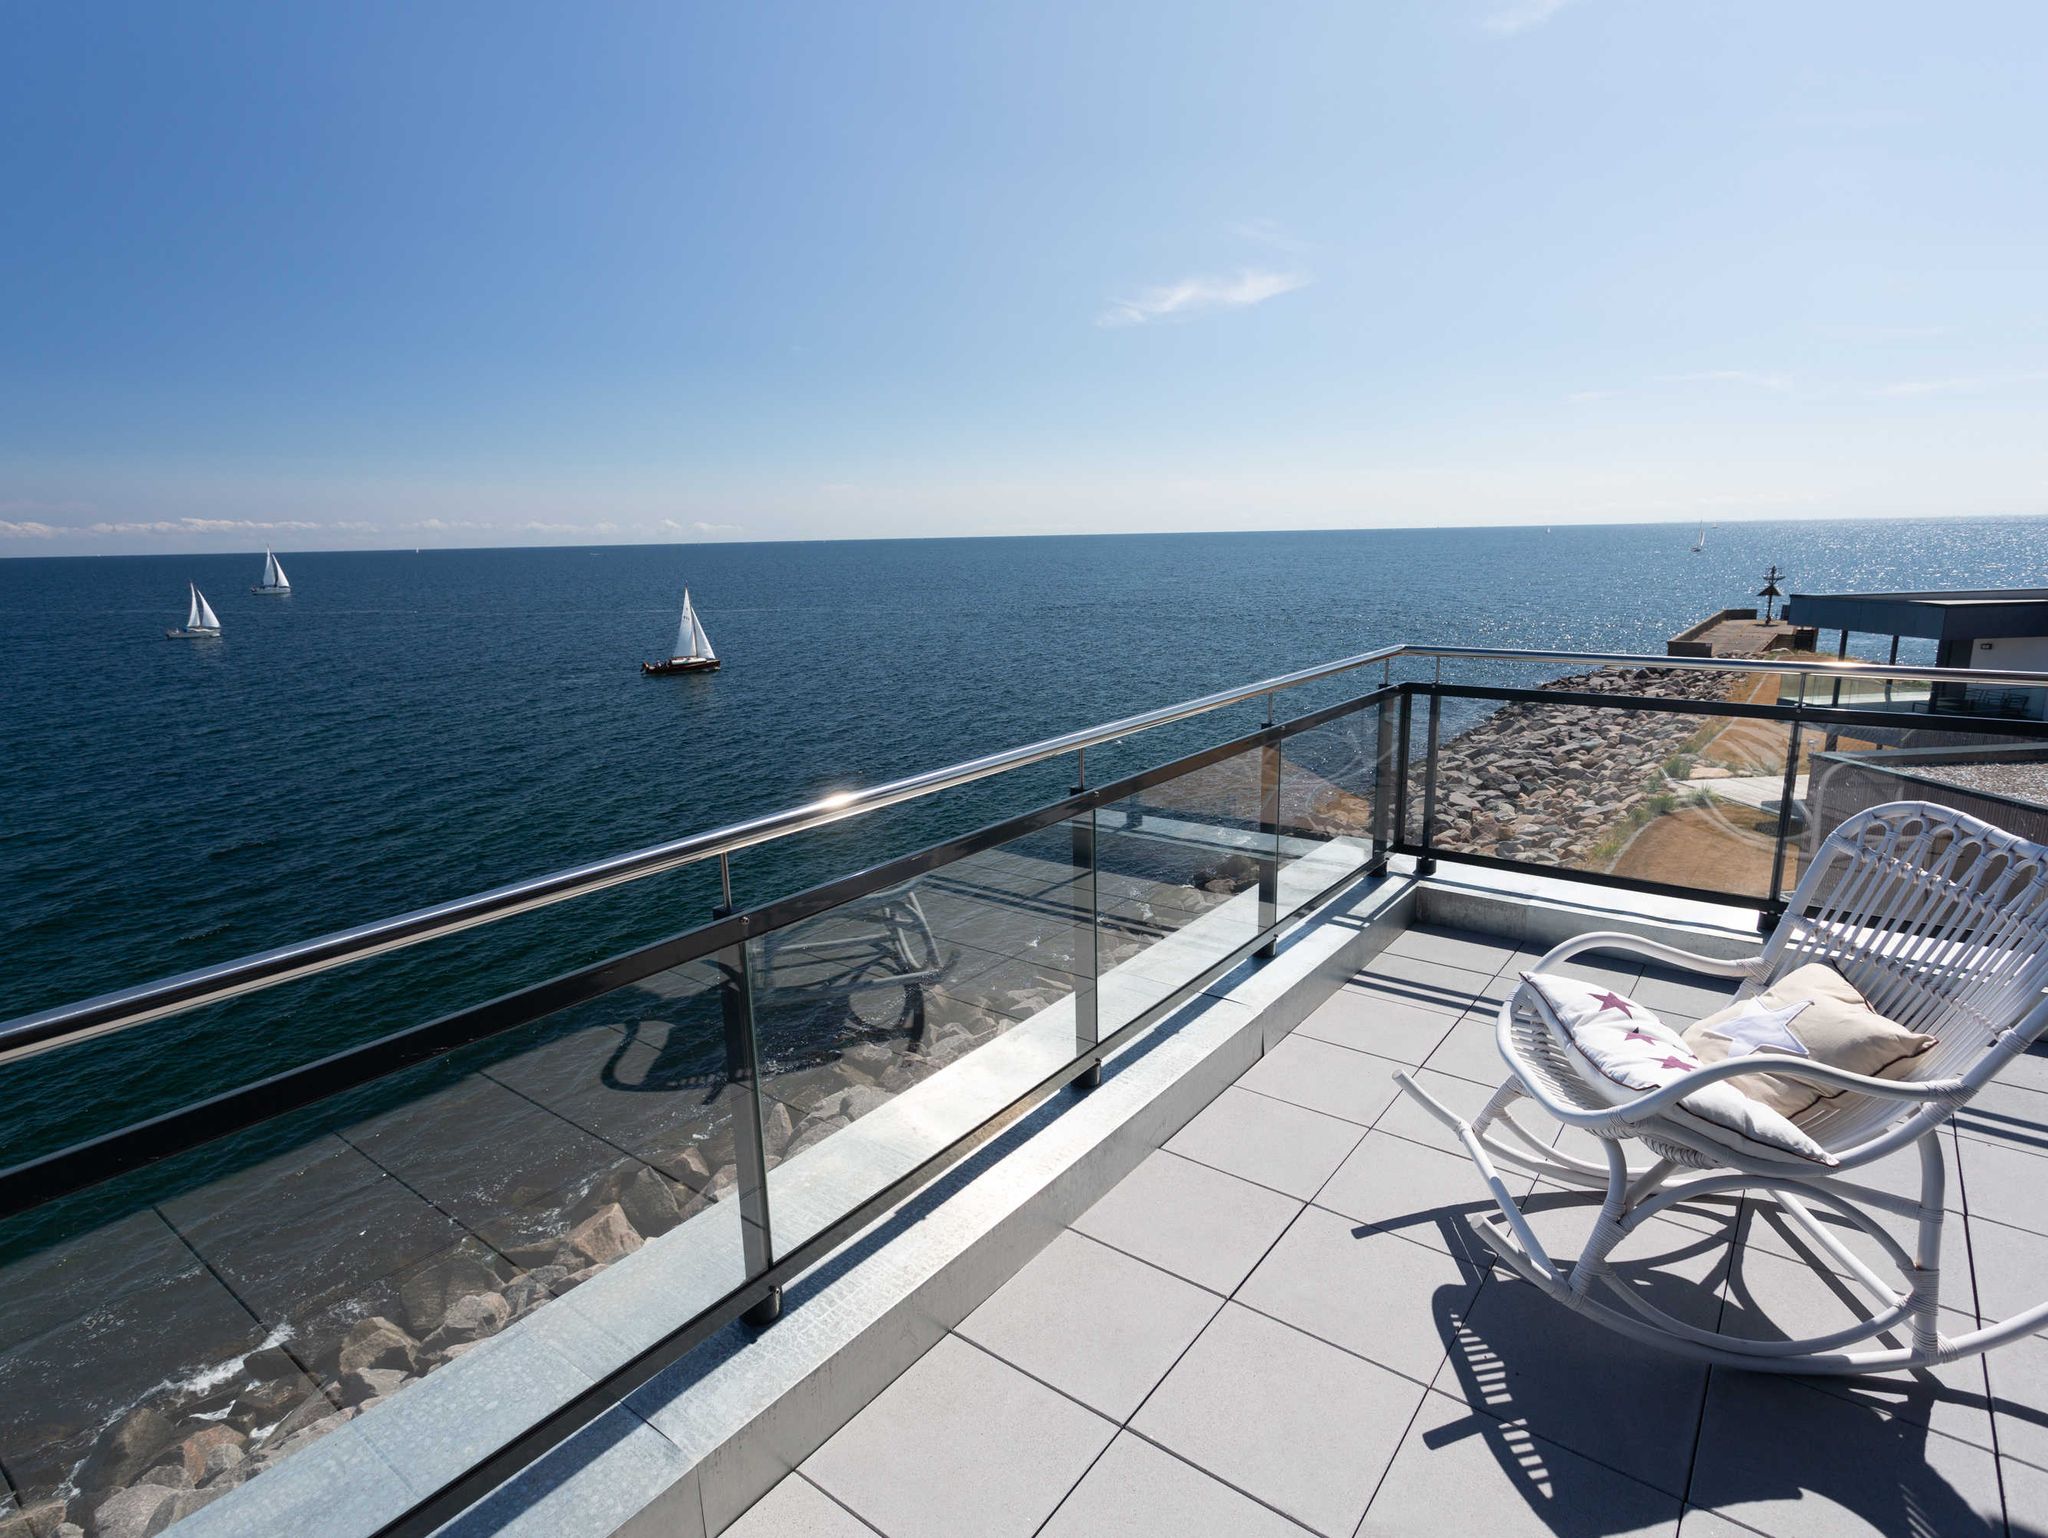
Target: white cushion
x,y
1623,1049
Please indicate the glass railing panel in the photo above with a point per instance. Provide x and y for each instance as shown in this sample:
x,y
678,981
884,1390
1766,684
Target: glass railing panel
x,y
1177,871
896,1022
1650,795
1329,787
191,1327
1997,776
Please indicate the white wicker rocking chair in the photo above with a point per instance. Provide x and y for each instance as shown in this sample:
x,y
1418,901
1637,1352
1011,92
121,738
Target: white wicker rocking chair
x,y
1942,922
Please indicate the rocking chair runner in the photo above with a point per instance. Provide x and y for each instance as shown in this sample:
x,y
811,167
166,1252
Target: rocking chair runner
x,y
1941,921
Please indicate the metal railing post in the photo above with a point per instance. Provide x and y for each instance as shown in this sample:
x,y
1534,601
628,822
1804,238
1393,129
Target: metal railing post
x,y
1775,903
1406,714
1385,790
1087,933
1426,865
743,1088
1269,836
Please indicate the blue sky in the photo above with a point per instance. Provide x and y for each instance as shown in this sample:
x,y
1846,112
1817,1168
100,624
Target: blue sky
x,y
333,275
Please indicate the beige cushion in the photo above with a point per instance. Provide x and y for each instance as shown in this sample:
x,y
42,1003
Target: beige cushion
x,y
1814,1013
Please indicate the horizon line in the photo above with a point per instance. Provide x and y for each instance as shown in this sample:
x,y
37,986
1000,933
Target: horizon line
x,y
881,539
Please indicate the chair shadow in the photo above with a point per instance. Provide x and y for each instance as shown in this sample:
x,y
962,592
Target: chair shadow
x,y
1865,1448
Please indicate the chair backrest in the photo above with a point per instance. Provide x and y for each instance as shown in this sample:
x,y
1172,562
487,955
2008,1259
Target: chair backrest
x,y
1939,919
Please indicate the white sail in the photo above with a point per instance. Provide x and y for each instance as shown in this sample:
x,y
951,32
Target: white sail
x,y
273,571
200,616
691,641
684,627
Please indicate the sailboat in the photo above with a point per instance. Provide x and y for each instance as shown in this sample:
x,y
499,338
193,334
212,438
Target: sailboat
x,y
1700,544
274,579
693,653
201,623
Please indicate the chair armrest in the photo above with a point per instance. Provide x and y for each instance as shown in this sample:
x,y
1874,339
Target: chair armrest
x,y
1656,950
1653,1101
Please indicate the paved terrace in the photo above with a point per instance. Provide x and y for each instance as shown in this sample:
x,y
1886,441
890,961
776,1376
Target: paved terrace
x,y
1279,1323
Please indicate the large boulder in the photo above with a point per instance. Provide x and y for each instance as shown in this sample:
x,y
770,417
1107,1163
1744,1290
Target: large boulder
x,y
131,1447
428,1293
132,1513
378,1343
360,1387
210,1449
471,1318
601,1238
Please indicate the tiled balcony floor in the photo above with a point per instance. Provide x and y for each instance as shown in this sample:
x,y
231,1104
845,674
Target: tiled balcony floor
x,y
1278,1324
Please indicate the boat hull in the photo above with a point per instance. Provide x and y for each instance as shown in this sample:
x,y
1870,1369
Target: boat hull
x,y
272,592
680,665
191,635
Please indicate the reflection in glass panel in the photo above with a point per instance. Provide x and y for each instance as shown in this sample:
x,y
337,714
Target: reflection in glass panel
x,y
899,1021
1328,786
1178,879
190,1327
1653,795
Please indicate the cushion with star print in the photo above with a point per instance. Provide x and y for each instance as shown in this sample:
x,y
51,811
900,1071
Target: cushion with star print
x,y
1623,1049
1814,1013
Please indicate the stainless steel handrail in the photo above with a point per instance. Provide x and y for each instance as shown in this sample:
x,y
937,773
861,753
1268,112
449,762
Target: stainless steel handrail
x,y
81,1021
1843,668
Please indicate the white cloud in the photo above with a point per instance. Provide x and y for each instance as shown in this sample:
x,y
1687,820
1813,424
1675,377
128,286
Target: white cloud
x,y
176,526
701,528
1521,15
1270,232
1171,301
30,529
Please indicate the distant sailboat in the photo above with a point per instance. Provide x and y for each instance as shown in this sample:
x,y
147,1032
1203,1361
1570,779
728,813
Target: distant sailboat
x,y
274,579
201,623
693,653
1700,544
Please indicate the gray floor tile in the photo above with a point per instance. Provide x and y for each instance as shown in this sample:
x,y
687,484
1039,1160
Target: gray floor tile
x,y
1268,1141
1405,1118
960,1444
1458,1472
2018,1375
1770,1298
1393,1302
1471,1051
2009,1113
1137,1491
1526,1358
1783,1458
1698,1522
1334,1080
2026,1500
1423,1194
796,1508
1429,982
1197,1222
1692,994
1092,1322
1297,1423
1605,969
2005,1184
1386,1027
2011,1267
1466,949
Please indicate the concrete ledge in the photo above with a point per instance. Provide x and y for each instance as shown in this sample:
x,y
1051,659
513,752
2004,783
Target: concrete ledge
x,y
1542,911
